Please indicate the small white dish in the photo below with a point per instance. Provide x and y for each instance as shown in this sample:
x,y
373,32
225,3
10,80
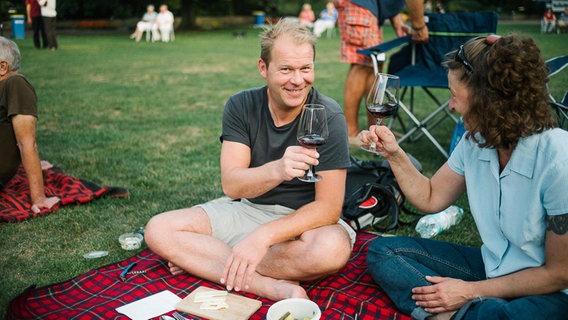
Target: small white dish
x,y
130,241
298,308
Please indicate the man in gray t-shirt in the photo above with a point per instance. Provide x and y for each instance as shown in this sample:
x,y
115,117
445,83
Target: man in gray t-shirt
x,y
247,120
281,231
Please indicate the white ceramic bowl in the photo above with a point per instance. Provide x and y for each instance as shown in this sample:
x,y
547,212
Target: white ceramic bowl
x,y
299,308
130,241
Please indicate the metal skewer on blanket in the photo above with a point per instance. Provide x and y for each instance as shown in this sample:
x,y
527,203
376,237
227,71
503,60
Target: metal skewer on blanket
x,y
137,272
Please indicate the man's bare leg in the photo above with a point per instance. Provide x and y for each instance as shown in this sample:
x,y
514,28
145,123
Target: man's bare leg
x,y
183,238
280,260
317,253
284,288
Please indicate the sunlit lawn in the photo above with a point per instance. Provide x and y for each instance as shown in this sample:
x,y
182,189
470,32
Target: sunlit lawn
x,y
147,116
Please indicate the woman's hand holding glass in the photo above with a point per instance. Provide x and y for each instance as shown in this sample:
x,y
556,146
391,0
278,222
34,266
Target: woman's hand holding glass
x,y
382,101
382,137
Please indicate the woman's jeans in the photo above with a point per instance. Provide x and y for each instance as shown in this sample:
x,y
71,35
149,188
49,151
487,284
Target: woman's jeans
x,y
399,264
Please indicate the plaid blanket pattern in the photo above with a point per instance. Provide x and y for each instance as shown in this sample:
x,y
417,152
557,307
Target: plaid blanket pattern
x,y
97,293
15,203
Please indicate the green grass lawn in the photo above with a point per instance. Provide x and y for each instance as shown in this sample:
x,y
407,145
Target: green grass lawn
x,y
147,116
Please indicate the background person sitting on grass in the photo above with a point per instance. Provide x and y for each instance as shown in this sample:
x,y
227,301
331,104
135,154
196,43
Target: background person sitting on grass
x,y
327,20
562,21
18,117
165,23
548,21
307,15
146,24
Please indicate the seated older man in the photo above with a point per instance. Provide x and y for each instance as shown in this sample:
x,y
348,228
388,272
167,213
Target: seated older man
x,y
327,19
146,24
164,23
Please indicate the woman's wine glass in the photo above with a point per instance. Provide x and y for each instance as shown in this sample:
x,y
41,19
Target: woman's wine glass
x,y
312,133
382,101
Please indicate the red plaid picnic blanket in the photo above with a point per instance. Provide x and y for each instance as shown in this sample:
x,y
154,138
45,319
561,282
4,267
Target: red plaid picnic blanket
x,y
15,203
97,294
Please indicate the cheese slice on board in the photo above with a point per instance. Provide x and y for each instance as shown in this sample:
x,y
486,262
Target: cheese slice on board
x,y
239,307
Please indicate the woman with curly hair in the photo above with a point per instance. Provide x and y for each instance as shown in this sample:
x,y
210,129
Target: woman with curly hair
x,y
512,161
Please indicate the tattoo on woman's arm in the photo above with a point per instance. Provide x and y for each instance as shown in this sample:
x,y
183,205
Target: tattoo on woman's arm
x,y
557,224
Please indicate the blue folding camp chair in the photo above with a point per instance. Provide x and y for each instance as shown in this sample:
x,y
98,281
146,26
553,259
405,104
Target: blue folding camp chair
x,y
420,66
560,106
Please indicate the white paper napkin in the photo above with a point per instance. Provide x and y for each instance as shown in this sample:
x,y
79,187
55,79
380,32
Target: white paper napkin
x,y
150,307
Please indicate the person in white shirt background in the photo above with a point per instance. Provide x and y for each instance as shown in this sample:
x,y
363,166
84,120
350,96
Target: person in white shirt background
x,y
48,17
146,24
164,23
328,17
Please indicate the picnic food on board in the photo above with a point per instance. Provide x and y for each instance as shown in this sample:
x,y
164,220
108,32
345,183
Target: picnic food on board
x,y
238,307
212,300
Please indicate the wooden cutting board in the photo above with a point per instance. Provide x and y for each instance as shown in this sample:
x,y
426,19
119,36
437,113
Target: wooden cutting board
x,y
240,308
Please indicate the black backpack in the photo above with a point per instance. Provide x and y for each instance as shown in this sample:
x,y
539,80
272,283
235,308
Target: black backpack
x,y
372,196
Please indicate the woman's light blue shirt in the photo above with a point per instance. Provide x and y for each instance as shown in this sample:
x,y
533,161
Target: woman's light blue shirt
x,y
510,207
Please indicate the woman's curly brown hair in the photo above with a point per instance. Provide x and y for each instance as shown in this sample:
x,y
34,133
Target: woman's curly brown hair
x,y
508,92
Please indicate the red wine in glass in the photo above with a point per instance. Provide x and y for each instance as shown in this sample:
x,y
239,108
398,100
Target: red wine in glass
x,y
383,111
382,101
312,140
312,133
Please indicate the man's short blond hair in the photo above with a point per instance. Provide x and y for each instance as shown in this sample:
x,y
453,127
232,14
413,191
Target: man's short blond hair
x,y
286,26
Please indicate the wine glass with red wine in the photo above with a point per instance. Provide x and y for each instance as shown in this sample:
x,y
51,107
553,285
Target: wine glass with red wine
x,y
382,101
312,133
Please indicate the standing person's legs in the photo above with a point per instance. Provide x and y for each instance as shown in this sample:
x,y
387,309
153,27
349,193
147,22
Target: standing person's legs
x,y
39,30
54,33
36,28
357,84
42,32
399,264
359,29
49,24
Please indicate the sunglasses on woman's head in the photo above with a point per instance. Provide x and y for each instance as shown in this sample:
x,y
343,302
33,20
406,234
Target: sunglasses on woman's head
x,y
460,57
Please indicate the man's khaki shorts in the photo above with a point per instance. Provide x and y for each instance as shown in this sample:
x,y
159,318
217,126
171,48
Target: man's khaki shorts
x,y
232,221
